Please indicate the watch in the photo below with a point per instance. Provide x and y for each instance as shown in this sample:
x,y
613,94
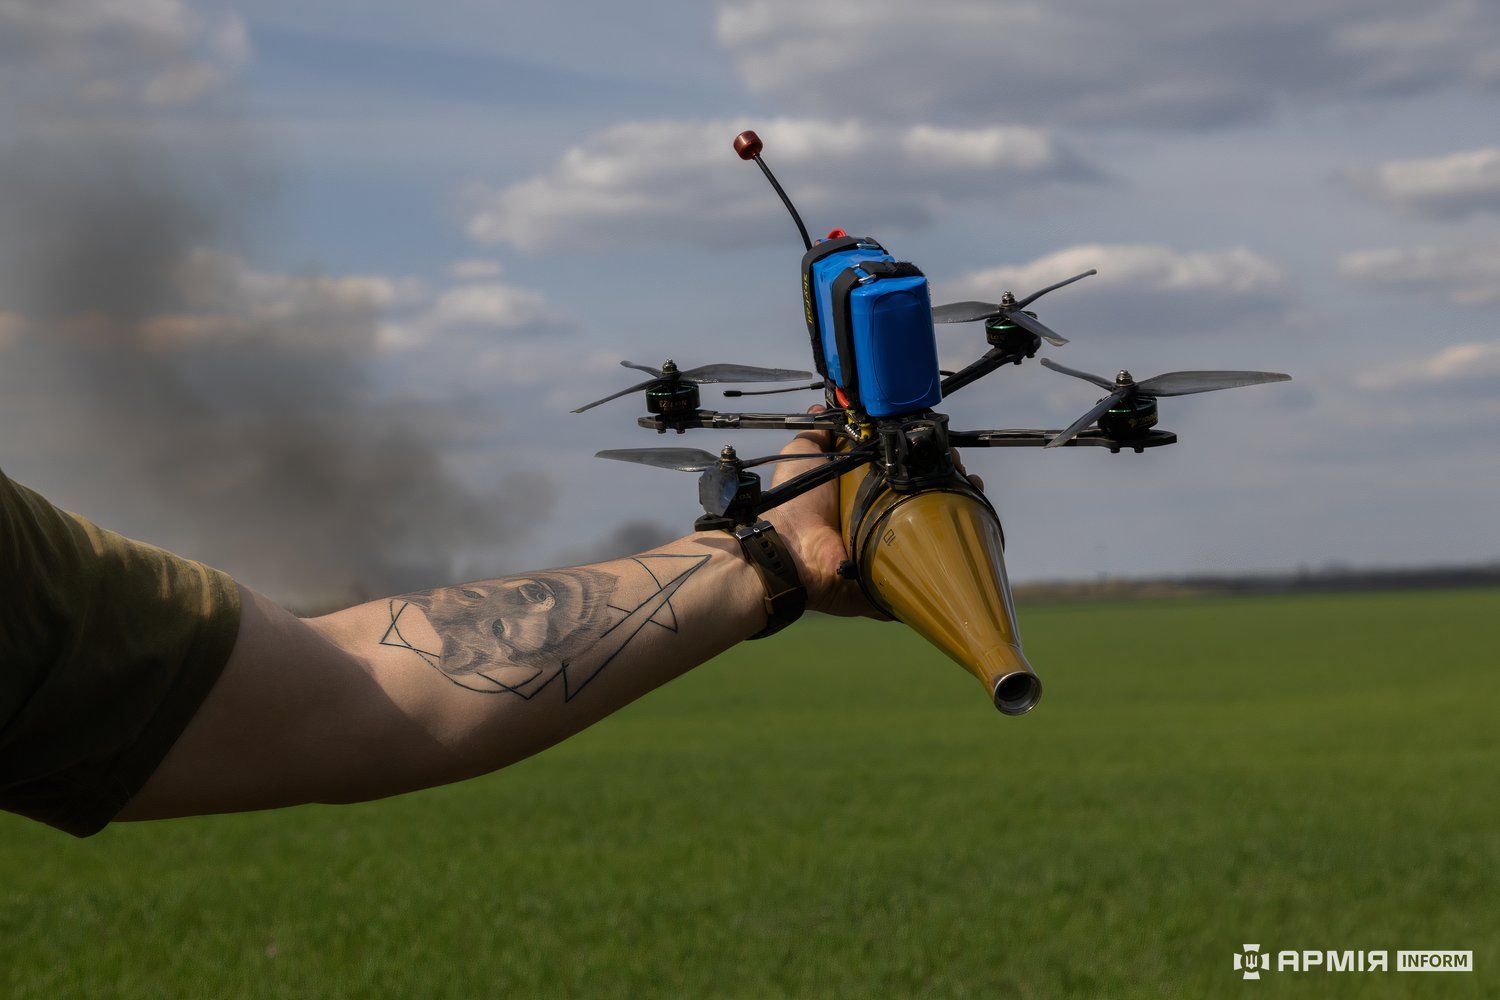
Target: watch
x,y
786,597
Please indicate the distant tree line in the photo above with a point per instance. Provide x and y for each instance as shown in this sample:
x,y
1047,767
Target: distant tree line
x,y
1332,579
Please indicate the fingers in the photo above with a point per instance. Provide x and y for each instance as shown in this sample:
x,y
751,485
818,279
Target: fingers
x,y
975,481
821,440
809,441
850,602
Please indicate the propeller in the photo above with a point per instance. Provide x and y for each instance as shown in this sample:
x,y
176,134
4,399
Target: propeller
x,y
1008,309
720,479
1171,384
698,460
669,373
717,484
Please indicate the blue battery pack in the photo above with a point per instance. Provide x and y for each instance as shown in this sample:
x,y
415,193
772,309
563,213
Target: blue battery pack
x,y
870,320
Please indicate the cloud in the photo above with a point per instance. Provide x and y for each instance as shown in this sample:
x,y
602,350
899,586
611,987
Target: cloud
x,y
1168,63
474,336
1463,275
1442,187
106,52
1472,367
475,269
1140,287
217,300
679,181
492,305
451,339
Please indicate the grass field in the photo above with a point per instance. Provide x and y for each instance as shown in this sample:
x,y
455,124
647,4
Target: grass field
x,y
839,812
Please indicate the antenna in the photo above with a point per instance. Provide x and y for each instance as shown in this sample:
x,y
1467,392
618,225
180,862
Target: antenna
x,y
748,145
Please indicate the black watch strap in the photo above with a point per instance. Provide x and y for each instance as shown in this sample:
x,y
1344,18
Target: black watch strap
x,y
786,597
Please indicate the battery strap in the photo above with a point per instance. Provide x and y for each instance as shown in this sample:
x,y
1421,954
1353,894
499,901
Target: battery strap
x,y
818,251
786,597
843,326
889,268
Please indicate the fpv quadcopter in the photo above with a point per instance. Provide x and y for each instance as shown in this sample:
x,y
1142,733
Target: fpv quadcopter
x,y
924,544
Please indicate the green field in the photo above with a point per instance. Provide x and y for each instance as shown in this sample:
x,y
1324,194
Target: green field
x,y
839,812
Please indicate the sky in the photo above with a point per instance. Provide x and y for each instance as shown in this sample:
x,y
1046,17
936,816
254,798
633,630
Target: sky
x,y
308,290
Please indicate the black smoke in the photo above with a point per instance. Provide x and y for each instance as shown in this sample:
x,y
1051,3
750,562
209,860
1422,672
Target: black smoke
x,y
152,380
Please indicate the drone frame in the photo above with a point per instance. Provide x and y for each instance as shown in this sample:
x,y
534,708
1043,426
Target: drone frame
x,y
1011,345
910,450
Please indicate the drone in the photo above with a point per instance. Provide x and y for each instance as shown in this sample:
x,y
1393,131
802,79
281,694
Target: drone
x,y
924,544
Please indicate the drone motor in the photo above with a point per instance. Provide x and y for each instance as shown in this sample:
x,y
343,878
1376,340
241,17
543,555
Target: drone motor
x,y
672,395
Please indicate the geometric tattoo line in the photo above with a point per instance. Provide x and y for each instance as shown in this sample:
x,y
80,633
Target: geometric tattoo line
x,y
517,635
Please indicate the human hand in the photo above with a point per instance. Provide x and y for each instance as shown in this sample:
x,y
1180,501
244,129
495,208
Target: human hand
x,y
809,524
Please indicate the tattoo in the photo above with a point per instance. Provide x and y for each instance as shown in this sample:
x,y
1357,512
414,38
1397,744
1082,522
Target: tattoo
x,y
518,634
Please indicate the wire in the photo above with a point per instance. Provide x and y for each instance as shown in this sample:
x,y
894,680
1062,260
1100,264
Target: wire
x,y
801,229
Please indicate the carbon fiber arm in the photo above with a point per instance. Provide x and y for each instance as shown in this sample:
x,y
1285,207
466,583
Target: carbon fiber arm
x,y
1019,437
830,420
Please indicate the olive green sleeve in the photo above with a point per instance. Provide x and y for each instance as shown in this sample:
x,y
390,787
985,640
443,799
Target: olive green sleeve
x,y
107,648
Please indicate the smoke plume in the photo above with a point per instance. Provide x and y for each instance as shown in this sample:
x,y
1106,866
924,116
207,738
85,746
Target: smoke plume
x,y
155,381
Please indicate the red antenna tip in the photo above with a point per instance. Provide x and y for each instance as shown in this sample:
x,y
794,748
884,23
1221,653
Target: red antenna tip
x,y
748,145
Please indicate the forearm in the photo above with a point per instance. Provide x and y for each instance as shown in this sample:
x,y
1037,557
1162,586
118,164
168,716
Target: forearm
x,y
437,686
499,670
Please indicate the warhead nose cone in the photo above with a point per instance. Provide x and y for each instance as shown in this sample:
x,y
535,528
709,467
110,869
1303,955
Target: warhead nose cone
x,y
935,561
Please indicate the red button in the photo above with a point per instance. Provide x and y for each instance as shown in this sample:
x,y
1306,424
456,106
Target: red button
x,y
836,234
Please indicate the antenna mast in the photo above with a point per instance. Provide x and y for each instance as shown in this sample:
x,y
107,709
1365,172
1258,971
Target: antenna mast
x,y
748,145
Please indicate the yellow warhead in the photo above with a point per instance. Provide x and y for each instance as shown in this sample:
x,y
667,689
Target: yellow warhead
x,y
935,561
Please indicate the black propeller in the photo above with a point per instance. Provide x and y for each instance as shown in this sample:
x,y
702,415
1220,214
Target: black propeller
x,y
1171,384
1008,309
698,460
720,478
669,373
